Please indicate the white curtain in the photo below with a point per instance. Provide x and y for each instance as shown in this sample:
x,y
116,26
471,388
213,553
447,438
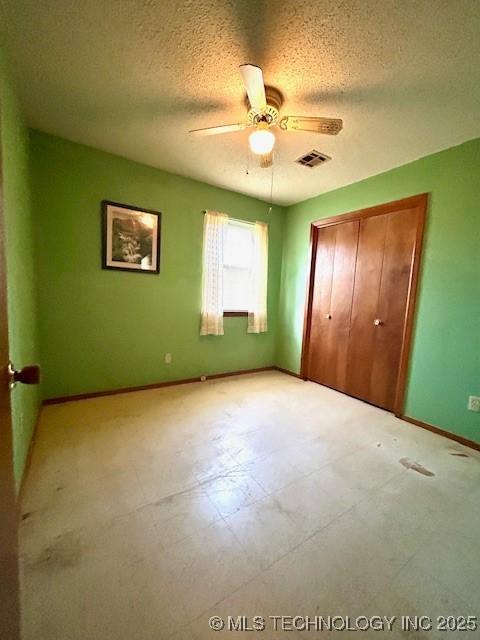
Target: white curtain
x,y
257,313
214,227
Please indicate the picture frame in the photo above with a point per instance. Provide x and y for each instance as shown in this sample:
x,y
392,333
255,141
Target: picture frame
x,y
130,238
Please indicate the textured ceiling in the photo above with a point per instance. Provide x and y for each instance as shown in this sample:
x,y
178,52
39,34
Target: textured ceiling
x,y
133,76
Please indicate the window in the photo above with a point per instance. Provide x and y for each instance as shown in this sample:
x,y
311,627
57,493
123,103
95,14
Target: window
x,y
238,256
235,273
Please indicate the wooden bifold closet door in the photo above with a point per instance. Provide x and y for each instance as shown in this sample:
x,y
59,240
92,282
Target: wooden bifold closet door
x,y
332,302
360,308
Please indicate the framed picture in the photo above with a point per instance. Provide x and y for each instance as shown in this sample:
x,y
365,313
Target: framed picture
x,y
131,238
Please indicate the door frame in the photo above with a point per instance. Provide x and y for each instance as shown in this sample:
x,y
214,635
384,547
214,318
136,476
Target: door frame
x,y
418,202
9,579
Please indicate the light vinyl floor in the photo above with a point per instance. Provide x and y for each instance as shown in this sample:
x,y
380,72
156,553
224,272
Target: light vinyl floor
x,y
147,513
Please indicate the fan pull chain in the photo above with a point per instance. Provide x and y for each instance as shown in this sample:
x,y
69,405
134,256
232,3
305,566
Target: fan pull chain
x,y
271,191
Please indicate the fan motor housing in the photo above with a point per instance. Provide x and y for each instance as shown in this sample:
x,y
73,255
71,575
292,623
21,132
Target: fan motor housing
x,y
274,102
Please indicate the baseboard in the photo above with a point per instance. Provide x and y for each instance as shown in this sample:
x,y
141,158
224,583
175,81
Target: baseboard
x,y
442,432
290,373
155,385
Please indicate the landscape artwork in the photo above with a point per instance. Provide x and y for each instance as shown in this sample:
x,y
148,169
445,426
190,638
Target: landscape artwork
x,y
131,238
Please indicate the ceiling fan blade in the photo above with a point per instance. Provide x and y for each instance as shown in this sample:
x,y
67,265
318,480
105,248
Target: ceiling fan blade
x,y
224,128
253,81
330,126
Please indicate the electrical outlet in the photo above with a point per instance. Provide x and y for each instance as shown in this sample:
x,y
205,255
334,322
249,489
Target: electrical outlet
x,y
474,403
168,358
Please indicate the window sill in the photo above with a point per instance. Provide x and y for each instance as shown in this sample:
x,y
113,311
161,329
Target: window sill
x,y
234,314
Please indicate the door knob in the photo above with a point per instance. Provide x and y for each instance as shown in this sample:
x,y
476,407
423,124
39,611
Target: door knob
x,y
27,375
328,316
377,322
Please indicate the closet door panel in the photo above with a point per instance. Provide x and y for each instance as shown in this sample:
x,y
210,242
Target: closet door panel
x,y
341,305
322,291
361,345
392,303
331,303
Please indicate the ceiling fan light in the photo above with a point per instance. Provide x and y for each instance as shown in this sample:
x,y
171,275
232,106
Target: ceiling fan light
x,y
261,141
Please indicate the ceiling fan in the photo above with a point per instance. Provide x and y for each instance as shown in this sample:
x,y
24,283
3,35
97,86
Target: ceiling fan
x,y
263,104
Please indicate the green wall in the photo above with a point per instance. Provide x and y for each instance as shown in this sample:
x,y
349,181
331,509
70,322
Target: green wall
x,y
20,266
103,329
445,363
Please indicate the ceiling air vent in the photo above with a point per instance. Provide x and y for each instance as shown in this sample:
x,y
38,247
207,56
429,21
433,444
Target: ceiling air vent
x,y
313,158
